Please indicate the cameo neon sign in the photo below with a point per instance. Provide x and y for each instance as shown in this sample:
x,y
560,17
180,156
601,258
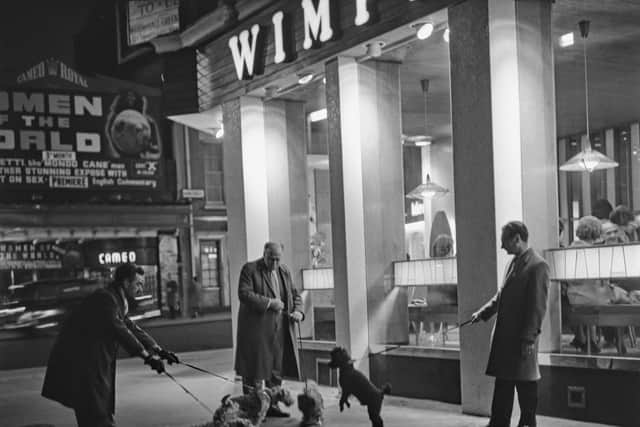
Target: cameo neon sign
x,y
116,257
317,29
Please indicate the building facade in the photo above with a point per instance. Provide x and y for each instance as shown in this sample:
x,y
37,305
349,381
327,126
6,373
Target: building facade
x,y
385,144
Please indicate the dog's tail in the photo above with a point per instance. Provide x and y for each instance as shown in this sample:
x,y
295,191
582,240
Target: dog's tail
x,y
386,389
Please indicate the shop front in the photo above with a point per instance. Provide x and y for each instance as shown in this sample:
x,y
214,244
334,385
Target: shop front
x,y
385,144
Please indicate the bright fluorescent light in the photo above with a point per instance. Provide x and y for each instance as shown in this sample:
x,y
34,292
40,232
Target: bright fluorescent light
x,y
316,116
445,35
566,40
303,79
425,31
220,132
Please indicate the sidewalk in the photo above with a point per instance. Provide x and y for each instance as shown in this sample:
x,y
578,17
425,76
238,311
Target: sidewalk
x,y
145,399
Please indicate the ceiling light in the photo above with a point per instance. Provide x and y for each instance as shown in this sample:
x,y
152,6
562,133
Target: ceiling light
x,y
445,35
588,159
220,132
423,29
566,40
316,116
374,49
428,190
305,78
422,142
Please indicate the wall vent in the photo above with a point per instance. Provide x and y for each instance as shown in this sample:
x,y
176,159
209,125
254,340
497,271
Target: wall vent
x,y
576,397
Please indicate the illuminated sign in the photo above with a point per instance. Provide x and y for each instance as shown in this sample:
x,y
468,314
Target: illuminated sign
x,y
116,257
149,19
317,29
79,143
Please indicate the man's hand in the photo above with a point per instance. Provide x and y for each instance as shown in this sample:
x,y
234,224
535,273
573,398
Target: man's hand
x,y
296,316
169,356
276,304
475,317
155,362
527,349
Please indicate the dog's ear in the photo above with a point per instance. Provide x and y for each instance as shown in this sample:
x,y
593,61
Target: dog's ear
x,y
224,399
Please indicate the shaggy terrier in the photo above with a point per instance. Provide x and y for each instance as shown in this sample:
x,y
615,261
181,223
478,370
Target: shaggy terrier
x,y
249,410
354,382
311,405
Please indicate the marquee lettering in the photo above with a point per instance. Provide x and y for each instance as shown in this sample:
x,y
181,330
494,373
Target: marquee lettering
x,y
278,42
116,257
317,22
317,29
244,55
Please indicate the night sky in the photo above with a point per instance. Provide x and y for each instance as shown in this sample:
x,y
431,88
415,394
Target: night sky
x,y
33,30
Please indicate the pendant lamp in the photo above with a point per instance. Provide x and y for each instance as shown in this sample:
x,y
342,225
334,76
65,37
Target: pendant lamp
x,y
588,159
428,190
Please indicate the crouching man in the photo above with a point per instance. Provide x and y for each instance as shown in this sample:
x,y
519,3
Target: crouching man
x,y
82,365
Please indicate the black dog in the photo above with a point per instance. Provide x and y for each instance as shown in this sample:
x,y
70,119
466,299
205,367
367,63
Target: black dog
x,y
354,382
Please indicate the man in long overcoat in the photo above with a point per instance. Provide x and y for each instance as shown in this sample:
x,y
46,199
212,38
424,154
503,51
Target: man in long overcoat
x,y
269,309
520,306
82,364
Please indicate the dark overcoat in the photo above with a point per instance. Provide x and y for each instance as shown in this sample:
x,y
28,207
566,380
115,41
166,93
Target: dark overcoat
x,y
260,343
82,365
520,305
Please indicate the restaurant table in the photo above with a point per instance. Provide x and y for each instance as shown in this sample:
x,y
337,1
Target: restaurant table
x,y
620,316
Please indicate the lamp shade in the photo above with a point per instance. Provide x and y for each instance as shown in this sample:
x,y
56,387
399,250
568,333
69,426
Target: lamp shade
x,y
316,279
594,262
426,272
427,190
588,160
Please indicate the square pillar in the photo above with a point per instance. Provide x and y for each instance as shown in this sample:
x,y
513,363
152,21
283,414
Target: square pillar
x,y
504,145
363,110
265,185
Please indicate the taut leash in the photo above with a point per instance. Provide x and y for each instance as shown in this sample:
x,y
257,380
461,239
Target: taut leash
x,y
189,393
466,322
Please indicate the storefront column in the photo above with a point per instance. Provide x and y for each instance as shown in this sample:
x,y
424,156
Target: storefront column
x,y
504,144
287,189
265,185
245,187
363,109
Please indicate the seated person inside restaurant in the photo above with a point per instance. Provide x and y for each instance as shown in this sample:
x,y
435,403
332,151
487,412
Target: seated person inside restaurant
x,y
594,291
622,217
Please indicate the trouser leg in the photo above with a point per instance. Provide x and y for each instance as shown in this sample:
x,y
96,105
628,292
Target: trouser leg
x,y
250,384
88,418
528,400
502,404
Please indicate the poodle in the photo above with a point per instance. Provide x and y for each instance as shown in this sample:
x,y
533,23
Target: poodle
x,y
354,382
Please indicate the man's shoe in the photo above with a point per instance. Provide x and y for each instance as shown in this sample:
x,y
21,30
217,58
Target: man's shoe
x,y
276,412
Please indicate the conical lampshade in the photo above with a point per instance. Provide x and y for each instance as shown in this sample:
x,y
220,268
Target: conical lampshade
x,y
588,160
427,190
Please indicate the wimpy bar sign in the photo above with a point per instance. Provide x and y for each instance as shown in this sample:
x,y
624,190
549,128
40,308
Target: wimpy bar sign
x,y
318,28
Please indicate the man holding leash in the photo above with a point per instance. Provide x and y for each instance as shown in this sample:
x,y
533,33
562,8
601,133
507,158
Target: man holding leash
x,y
81,371
520,305
269,308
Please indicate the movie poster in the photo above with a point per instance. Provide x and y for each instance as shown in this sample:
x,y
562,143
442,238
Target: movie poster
x,y
57,145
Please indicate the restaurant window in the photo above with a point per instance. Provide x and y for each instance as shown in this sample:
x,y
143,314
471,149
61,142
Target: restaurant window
x,y
213,170
596,269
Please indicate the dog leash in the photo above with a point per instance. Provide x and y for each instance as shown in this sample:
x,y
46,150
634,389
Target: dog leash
x,y
453,328
213,374
300,354
189,393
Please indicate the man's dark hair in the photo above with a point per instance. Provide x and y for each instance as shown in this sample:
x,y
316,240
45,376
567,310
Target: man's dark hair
x,y
126,271
621,215
513,228
601,209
